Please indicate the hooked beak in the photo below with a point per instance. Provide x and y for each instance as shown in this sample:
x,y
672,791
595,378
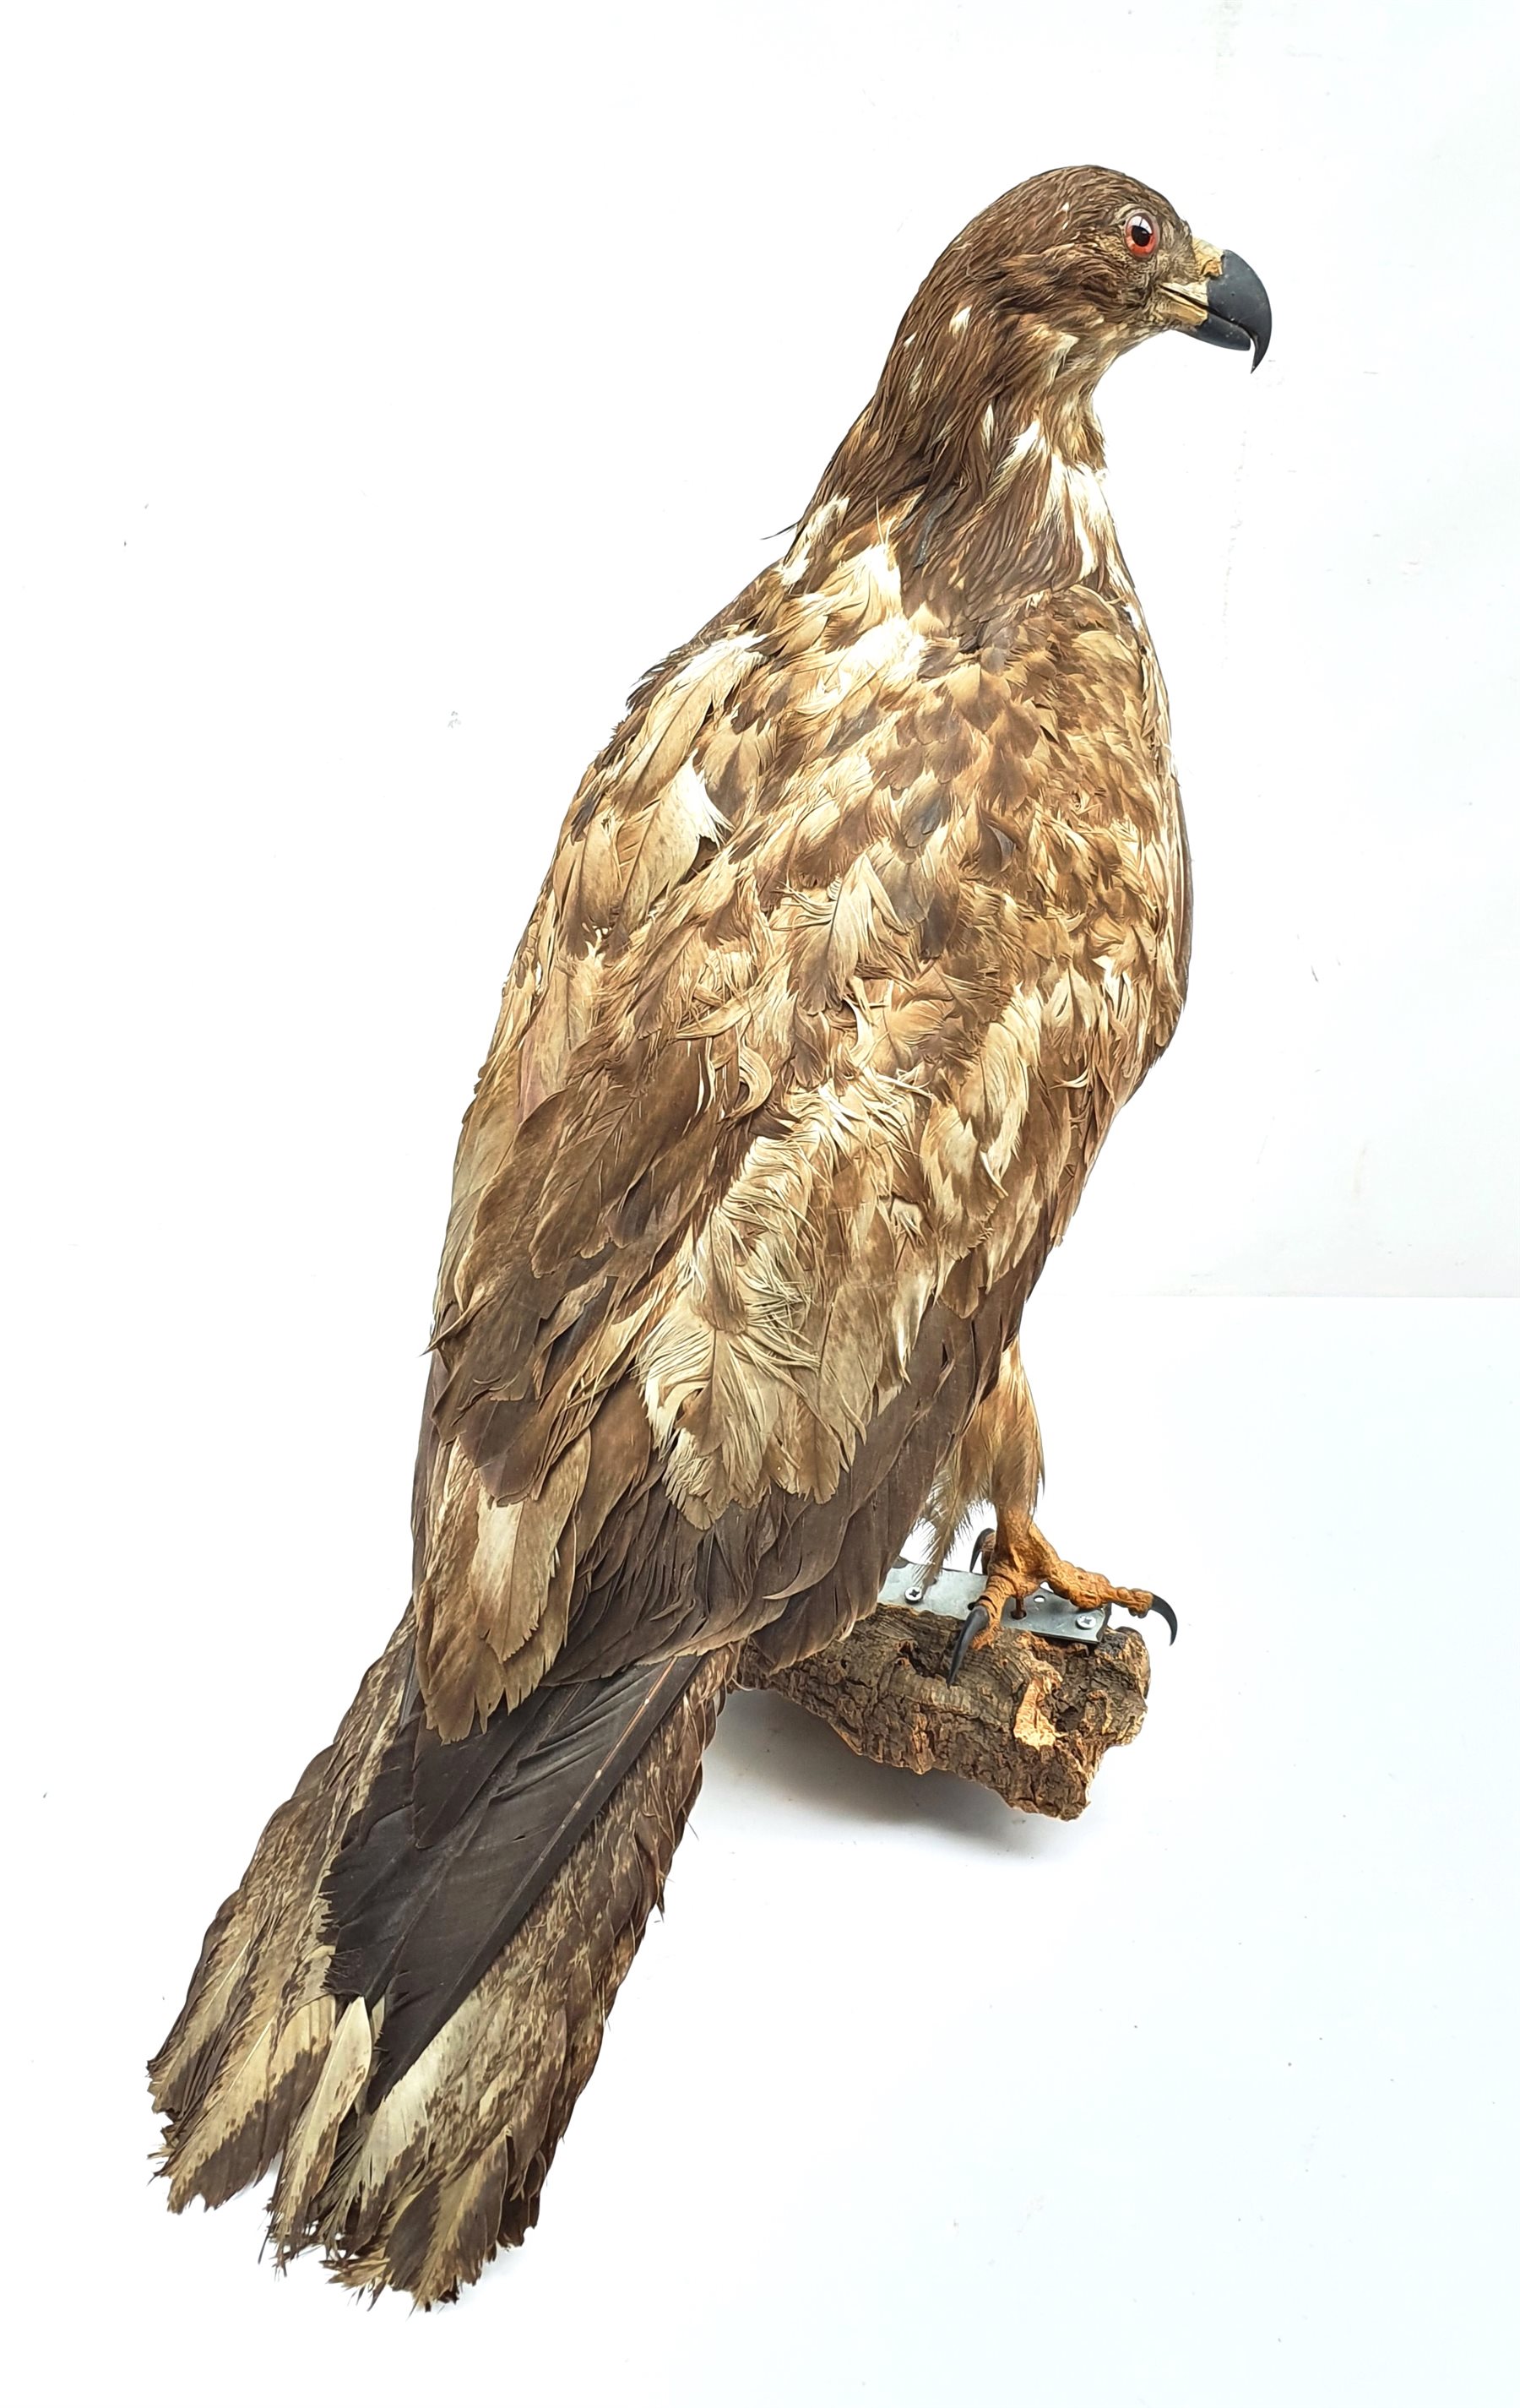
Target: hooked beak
x,y
1231,306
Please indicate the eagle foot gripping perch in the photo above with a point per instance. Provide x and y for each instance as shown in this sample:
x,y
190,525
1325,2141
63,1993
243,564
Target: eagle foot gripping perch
x,y
1045,1614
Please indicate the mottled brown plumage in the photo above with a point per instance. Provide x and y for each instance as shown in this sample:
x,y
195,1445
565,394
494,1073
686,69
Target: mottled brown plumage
x,y
859,931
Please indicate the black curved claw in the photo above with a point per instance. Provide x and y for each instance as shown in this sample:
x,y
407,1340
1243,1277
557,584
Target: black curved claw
x,y
976,1622
982,1551
1159,1605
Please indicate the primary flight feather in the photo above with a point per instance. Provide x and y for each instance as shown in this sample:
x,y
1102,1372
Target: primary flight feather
x,y
858,933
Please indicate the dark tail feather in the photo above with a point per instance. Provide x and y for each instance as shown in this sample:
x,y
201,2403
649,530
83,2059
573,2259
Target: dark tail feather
x,y
446,2159
406,1996
457,1840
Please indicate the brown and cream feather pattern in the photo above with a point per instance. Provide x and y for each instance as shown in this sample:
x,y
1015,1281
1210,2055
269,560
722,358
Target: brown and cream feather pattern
x,y
862,928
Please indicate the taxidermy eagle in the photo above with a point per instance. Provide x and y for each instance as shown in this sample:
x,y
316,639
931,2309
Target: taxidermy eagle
x,y
867,920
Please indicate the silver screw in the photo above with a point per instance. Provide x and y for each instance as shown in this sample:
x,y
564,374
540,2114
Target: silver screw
x,y
913,1594
1087,1621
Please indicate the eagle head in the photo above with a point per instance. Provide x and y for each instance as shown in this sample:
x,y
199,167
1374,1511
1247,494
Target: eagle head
x,y
1065,272
982,415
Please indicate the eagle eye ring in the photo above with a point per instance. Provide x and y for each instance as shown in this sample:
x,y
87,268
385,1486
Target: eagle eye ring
x,y
1142,234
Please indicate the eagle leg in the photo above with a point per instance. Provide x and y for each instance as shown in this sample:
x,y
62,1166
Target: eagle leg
x,y
1018,1558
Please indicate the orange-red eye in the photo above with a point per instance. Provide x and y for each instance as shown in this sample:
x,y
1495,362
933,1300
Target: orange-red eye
x,y
1142,234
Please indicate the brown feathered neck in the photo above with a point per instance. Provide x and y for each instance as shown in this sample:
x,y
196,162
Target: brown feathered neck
x,y
979,455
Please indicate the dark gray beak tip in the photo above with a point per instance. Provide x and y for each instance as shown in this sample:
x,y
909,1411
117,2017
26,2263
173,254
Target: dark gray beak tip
x,y
1240,314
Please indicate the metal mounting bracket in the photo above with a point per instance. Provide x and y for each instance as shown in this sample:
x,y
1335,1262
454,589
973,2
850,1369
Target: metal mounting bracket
x,y
1046,1612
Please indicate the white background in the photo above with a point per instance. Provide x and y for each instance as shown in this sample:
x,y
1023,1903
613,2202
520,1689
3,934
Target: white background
x,y
385,390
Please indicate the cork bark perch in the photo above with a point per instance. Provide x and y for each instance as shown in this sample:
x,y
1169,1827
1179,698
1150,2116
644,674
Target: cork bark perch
x,y
1028,1717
